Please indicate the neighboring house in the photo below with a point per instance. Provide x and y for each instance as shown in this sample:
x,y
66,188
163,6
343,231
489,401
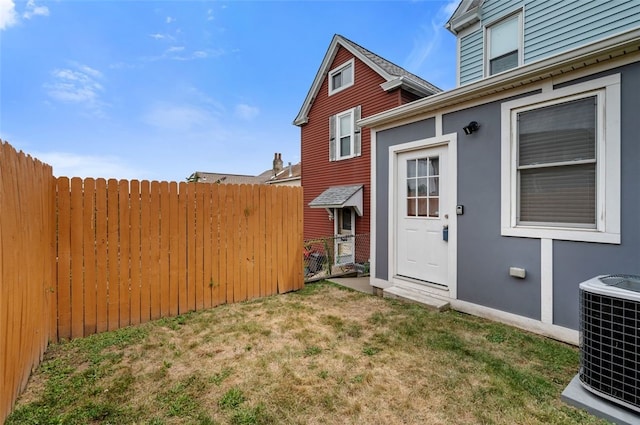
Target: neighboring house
x,y
350,84
267,176
288,176
505,217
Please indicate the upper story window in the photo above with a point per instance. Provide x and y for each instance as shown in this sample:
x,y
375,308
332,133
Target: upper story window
x,y
504,44
344,135
341,77
561,162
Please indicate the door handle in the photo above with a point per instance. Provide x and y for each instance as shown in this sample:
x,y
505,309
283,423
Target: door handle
x,y
445,233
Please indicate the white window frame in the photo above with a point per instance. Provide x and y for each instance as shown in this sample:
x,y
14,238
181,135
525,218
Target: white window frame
x,y
338,70
487,42
607,230
352,135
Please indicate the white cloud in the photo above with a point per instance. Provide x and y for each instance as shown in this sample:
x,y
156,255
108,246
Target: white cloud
x,y
158,36
246,112
8,16
423,45
78,84
33,10
210,15
75,165
180,53
170,116
170,19
429,39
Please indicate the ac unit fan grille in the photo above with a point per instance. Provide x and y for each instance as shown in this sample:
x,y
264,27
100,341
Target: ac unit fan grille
x,y
609,355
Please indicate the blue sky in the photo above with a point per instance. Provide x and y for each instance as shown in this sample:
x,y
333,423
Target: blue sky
x,y
159,89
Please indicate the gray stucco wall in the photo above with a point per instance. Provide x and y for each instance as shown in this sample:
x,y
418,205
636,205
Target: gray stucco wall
x,y
575,262
484,257
385,139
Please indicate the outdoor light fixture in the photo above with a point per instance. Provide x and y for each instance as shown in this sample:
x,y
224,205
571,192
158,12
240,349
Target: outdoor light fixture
x,y
473,126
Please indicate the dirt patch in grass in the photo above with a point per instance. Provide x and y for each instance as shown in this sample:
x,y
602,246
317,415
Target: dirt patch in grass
x,y
323,355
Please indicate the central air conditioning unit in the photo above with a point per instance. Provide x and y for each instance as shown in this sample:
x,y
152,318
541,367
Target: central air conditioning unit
x,y
610,338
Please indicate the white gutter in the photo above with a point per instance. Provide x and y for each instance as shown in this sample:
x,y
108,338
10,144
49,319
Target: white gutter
x,y
621,44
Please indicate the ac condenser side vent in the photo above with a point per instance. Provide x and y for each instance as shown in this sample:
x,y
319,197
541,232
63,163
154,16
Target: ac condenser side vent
x,y
610,338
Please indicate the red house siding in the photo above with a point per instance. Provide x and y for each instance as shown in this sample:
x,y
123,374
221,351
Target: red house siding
x,y
318,173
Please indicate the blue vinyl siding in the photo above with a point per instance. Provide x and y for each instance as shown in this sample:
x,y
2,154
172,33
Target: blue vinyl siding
x,y
550,27
471,57
493,10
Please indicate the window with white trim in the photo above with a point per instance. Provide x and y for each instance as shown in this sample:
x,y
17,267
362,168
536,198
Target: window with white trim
x,y
504,44
341,77
561,163
344,135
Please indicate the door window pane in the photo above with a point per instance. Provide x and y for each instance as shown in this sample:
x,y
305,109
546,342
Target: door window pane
x,y
422,207
434,166
434,183
411,187
423,187
434,204
411,207
411,168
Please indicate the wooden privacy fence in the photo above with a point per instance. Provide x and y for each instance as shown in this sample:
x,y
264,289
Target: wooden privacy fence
x,y
131,251
79,257
27,268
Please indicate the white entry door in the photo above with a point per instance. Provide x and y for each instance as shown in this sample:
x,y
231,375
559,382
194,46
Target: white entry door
x,y
422,218
345,224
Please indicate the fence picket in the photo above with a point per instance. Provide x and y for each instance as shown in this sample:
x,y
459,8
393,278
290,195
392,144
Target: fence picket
x,y
102,282
222,247
134,240
206,248
253,289
154,263
89,239
174,230
183,305
165,229
145,251
124,254
199,244
64,260
77,273
191,247
113,289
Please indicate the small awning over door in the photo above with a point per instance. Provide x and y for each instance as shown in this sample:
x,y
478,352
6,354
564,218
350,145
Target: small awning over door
x,y
340,197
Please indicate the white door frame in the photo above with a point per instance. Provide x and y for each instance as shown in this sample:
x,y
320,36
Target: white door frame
x,y
450,141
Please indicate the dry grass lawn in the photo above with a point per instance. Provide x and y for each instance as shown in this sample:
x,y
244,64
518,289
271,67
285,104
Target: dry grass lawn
x,y
324,355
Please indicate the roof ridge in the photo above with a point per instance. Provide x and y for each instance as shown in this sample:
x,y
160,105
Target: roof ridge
x,y
388,65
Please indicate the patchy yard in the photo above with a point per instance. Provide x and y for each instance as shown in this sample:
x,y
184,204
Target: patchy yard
x,y
324,355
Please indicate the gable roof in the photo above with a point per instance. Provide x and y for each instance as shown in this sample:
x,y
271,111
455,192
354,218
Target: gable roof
x,y
466,14
222,178
394,75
